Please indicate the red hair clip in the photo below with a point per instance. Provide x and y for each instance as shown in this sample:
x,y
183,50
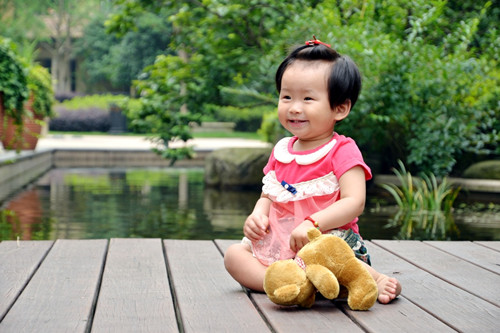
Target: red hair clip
x,y
316,42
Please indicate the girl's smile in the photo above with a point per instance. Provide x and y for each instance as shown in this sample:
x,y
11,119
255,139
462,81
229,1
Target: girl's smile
x,y
297,123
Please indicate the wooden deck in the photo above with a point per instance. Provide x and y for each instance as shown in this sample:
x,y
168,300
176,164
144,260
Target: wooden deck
x,y
136,285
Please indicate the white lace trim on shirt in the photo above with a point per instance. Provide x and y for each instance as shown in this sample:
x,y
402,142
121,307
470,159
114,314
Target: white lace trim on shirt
x,y
283,155
327,184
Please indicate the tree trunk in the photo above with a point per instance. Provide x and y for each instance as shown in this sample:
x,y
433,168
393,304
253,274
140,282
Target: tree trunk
x,y
61,73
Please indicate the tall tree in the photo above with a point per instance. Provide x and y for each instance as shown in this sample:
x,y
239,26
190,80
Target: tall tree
x,y
65,20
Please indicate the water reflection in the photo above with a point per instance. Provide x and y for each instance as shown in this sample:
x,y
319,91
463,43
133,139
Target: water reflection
x,y
424,225
161,203
22,217
103,203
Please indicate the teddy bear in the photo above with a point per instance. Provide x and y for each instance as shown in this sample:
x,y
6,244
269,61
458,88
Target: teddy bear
x,y
323,264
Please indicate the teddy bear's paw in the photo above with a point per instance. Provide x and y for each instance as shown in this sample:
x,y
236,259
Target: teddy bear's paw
x,y
286,294
362,299
324,280
308,302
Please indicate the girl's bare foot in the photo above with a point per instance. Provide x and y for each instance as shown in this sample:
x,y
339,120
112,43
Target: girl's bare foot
x,y
388,288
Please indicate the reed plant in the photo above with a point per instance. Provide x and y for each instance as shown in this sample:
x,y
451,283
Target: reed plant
x,y
425,205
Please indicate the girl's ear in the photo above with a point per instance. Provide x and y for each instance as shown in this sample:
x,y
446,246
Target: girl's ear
x,y
342,110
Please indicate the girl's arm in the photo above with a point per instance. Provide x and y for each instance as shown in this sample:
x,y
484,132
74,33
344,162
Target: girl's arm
x,y
257,223
350,205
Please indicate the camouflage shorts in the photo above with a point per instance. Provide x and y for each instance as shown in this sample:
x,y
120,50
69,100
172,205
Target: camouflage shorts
x,y
355,242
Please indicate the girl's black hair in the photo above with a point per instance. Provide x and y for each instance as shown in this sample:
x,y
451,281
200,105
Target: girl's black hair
x,y
344,82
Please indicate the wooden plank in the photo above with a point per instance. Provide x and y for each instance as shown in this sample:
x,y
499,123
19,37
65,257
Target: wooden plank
x,y
474,253
324,316
454,306
400,315
452,269
62,293
492,245
223,244
18,262
135,293
208,299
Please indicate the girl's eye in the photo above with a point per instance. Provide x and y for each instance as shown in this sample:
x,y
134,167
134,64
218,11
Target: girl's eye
x,y
286,97
308,99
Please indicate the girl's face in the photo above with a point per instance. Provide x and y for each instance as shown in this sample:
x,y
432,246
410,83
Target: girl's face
x,y
304,107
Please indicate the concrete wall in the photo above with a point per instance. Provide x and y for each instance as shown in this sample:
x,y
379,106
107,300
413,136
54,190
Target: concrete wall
x,y
17,171
117,158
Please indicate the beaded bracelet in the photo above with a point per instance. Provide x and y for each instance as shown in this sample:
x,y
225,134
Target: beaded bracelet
x,y
316,225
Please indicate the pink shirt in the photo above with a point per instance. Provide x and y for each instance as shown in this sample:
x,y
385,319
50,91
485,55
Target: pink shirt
x,y
313,175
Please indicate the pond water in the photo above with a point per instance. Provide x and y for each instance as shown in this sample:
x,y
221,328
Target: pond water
x,y
168,203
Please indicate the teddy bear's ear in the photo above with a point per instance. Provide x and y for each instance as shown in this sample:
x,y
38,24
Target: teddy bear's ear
x,y
313,233
287,294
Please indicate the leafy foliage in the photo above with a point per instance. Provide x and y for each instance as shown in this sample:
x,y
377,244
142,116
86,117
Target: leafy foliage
x,y
13,81
19,16
218,44
431,77
162,90
40,85
428,97
19,79
118,61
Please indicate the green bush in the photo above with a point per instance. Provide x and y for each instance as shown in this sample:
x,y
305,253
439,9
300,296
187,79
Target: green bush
x,y
13,81
91,101
428,97
40,85
91,113
84,120
428,108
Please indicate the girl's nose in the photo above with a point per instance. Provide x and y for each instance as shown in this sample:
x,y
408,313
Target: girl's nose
x,y
296,107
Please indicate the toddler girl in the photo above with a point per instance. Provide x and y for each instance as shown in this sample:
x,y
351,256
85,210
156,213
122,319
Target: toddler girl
x,y
317,178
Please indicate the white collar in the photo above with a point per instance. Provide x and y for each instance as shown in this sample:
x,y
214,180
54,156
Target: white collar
x,y
283,155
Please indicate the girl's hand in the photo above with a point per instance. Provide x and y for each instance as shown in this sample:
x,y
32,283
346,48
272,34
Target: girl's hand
x,y
255,227
298,238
